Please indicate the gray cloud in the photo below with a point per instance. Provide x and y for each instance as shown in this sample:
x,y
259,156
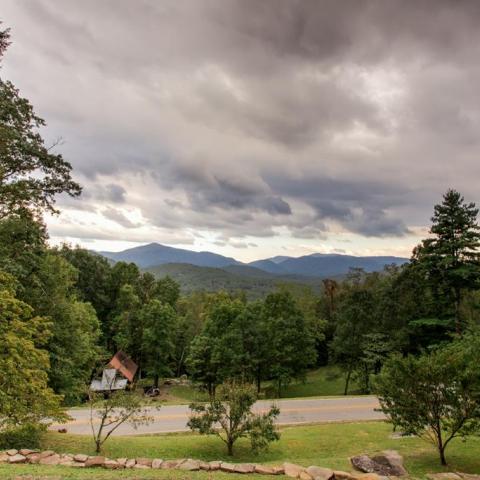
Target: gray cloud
x,y
248,118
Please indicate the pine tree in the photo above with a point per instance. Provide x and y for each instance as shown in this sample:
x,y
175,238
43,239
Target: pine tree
x,y
450,258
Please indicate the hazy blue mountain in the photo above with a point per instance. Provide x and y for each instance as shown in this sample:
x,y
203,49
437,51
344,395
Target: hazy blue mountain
x,y
269,265
326,265
316,265
155,254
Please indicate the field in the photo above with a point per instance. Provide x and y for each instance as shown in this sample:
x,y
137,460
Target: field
x,y
328,445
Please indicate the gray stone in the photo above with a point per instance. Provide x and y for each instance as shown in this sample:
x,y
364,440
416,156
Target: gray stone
x,y
388,463
50,460
157,463
227,467
130,463
320,473
97,461
444,476
292,470
215,465
244,468
190,465
17,458
80,457
11,452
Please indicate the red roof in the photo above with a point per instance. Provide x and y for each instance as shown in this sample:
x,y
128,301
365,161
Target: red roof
x,y
125,365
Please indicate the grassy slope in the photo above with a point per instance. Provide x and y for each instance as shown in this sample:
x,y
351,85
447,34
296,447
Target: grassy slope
x,y
328,445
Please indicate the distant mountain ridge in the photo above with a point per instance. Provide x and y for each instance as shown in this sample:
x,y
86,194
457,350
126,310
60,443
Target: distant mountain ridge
x,y
320,265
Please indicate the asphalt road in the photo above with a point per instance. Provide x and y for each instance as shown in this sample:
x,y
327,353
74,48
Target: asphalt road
x,y
173,418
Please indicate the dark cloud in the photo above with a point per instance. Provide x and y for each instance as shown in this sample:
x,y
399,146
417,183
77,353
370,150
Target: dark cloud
x,y
249,118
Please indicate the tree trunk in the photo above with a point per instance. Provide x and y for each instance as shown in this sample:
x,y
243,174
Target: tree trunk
x,y
259,382
97,446
443,460
347,381
156,380
230,447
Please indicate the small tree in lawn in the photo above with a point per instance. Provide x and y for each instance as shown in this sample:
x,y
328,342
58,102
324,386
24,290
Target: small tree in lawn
x,y
112,410
435,396
230,417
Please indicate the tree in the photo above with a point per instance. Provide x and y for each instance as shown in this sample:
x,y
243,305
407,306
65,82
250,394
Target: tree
x,y
231,410
158,321
30,174
435,396
24,363
74,326
113,409
291,343
450,259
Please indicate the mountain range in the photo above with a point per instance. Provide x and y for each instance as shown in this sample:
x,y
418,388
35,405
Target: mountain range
x,y
317,265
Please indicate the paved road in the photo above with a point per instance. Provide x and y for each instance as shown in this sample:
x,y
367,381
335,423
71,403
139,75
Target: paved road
x,y
173,418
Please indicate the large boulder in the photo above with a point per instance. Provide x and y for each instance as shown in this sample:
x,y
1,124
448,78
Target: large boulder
x,y
388,463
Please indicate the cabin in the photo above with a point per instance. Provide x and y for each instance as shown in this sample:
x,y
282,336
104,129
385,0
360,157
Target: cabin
x,y
119,372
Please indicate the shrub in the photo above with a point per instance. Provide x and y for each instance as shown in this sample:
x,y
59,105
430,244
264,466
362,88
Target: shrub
x,y
25,436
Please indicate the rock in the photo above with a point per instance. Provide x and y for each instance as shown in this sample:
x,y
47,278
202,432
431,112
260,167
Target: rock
x,y
11,452
112,465
340,475
469,476
78,464
142,467
215,465
80,457
227,467
157,463
147,462
292,470
4,458
169,464
391,462
319,473
388,463
278,470
305,476
264,470
204,465
95,461
244,468
122,461
17,458
130,463
36,457
368,476
50,460
444,476
26,451
190,465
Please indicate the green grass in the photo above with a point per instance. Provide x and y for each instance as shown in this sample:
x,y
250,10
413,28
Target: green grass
x,y
325,381
328,445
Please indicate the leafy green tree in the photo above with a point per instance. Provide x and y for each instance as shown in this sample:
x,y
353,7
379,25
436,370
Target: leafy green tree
x,y
30,174
74,326
158,321
450,258
24,363
231,410
435,396
291,343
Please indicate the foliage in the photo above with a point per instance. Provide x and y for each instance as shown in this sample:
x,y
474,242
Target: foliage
x,y
24,394
28,435
435,396
117,408
230,417
450,258
30,174
158,320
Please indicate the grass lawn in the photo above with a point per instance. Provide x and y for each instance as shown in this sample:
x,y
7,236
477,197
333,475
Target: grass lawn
x,y
328,445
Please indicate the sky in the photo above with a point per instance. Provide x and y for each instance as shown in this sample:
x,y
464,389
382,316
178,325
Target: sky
x,y
253,128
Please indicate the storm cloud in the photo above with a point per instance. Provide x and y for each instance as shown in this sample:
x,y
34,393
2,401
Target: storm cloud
x,y
235,120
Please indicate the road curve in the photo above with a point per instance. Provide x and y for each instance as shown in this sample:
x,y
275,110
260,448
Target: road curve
x,y
173,418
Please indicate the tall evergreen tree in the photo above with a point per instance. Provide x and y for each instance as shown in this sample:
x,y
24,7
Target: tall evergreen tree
x,y
451,257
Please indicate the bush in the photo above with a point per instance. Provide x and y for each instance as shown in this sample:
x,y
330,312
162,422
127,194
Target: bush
x,y
25,436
